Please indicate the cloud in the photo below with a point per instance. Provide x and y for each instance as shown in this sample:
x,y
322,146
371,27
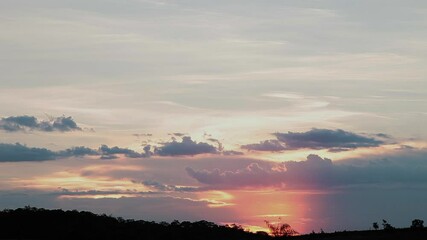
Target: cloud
x,y
18,123
320,173
334,140
23,123
20,153
252,175
108,153
169,188
214,140
185,147
383,135
78,152
177,134
232,153
142,135
267,145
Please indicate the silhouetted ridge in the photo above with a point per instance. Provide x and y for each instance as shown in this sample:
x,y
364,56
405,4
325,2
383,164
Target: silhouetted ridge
x,y
38,223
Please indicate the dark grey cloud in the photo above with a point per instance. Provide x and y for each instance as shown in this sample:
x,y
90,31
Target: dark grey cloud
x,y
63,124
214,140
267,145
147,151
334,140
108,153
383,135
188,147
18,123
24,123
185,147
20,153
320,173
78,152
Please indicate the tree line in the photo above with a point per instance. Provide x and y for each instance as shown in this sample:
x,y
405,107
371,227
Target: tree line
x,y
38,223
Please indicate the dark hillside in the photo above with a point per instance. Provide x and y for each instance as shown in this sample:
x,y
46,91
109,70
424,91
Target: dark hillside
x,y
36,223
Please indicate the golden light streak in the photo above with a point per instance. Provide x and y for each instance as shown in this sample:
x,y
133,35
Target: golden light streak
x,y
254,228
216,198
74,181
275,215
248,227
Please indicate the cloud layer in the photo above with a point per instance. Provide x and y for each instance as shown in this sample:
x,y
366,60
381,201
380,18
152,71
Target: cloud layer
x,y
267,146
185,147
21,153
24,123
319,173
333,140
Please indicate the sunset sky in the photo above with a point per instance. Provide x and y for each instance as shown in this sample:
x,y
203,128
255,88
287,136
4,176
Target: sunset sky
x,y
232,111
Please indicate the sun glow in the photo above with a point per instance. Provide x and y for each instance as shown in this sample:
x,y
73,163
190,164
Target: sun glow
x,y
216,198
292,207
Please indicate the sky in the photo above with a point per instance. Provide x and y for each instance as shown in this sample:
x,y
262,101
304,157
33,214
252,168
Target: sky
x,y
307,112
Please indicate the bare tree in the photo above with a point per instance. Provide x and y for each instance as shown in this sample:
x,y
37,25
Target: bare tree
x,y
387,226
280,229
375,225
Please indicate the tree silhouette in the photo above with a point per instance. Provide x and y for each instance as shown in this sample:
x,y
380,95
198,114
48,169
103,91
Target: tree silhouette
x,y
39,223
417,223
280,229
386,225
375,225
